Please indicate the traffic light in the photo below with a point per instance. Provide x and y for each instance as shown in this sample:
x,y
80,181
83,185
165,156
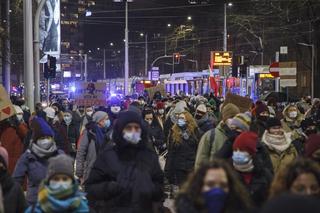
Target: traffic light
x,y
50,67
176,58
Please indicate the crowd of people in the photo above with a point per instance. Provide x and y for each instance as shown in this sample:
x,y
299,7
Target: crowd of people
x,y
130,156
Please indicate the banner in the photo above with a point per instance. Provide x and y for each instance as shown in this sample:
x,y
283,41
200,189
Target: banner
x,y
6,107
243,103
90,94
159,88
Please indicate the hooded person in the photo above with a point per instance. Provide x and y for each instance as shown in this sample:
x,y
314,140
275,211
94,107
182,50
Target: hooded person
x,y
212,141
115,107
59,191
70,131
88,112
279,145
261,114
91,141
204,121
126,176
291,121
13,196
33,163
12,133
251,164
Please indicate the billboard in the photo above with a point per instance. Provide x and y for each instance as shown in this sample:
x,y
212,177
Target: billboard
x,y
90,94
50,32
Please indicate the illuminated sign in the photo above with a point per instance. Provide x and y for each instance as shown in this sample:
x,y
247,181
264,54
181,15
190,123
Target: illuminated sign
x,y
220,58
265,75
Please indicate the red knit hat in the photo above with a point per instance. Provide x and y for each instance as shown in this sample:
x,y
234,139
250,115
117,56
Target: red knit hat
x,y
246,141
312,145
160,105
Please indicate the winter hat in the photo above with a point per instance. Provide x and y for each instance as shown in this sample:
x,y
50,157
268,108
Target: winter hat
x,y
61,164
40,128
181,107
4,157
229,111
17,109
50,112
307,122
98,116
160,105
312,145
261,107
202,108
246,141
242,121
272,122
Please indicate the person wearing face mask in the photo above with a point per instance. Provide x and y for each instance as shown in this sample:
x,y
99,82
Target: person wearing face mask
x,y
251,163
70,133
213,188
261,114
155,131
212,141
33,163
160,113
300,177
126,176
91,142
86,118
291,121
279,145
204,121
12,133
182,148
12,194
59,191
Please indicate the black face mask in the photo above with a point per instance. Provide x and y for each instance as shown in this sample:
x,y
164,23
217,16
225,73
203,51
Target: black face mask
x,y
198,117
263,118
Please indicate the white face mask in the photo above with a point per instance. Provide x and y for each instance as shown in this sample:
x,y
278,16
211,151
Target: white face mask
x,y
20,117
59,185
161,111
45,143
89,113
293,114
132,137
67,119
115,109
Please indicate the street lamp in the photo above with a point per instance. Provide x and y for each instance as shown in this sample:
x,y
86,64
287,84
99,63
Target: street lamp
x,y
189,18
312,65
104,61
169,25
111,44
225,32
126,64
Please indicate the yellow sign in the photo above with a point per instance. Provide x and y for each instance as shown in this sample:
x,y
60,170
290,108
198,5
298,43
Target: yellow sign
x,y
219,58
266,75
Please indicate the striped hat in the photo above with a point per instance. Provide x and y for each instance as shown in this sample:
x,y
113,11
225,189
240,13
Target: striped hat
x,y
242,121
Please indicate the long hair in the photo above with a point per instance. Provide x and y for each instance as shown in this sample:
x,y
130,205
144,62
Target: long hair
x,y
238,197
191,128
285,178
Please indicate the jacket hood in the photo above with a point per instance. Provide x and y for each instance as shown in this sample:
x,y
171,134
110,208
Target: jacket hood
x,y
299,118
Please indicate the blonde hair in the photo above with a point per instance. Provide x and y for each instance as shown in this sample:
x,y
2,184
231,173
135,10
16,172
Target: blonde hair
x,y
191,128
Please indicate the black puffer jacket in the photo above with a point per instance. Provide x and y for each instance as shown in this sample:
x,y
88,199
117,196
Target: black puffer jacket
x,y
156,136
125,178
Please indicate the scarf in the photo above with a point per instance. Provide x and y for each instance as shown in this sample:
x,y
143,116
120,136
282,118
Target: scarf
x,y
248,167
100,135
40,152
68,200
277,143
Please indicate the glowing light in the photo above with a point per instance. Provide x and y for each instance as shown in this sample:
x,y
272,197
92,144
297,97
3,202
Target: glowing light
x,y
73,89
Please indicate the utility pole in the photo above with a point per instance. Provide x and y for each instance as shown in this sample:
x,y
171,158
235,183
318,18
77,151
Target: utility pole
x,y
225,45
36,49
7,49
146,56
104,64
28,54
85,67
126,63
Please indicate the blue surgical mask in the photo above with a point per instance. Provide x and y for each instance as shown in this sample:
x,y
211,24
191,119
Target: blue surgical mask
x,y
59,185
181,122
107,123
215,200
241,158
132,137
